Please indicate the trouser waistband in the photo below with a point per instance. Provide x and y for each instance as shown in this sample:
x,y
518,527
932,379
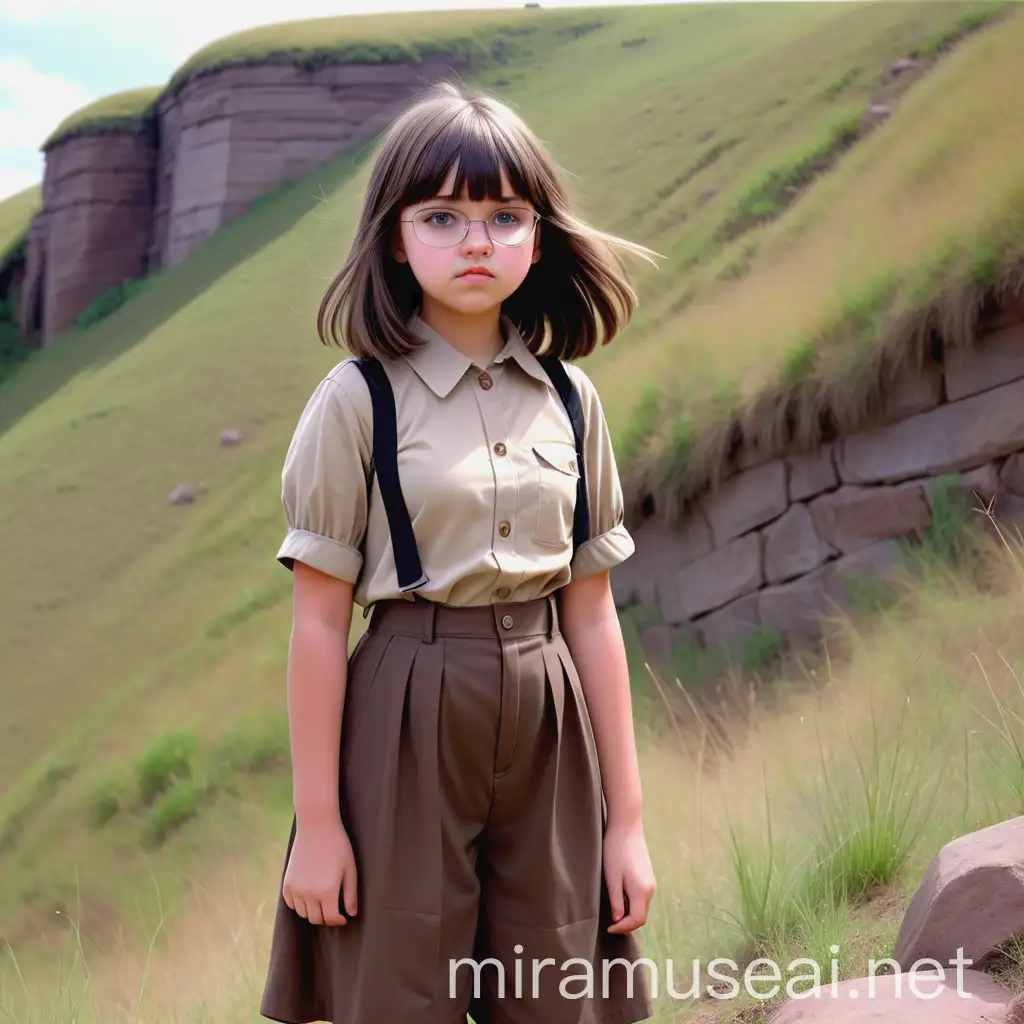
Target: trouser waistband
x,y
503,620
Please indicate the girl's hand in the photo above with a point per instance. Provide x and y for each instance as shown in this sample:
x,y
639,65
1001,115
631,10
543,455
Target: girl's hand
x,y
629,875
321,866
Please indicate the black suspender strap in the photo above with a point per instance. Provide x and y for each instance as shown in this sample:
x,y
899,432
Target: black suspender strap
x,y
556,371
385,464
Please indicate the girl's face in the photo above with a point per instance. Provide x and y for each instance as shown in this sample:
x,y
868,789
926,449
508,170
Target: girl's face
x,y
474,275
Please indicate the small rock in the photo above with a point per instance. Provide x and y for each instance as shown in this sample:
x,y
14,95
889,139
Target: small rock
x,y
877,113
229,438
183,494
923,995
901,67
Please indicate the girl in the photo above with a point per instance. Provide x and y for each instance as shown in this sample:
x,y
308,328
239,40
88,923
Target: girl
x,y
467,835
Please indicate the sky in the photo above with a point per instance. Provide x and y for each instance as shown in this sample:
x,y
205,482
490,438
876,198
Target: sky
x,y
58,55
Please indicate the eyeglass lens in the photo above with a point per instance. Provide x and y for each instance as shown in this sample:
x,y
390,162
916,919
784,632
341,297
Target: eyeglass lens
x,y
446,227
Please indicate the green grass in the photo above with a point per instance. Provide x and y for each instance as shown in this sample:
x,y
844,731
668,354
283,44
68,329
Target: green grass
x,y
125,620
805,267
486,38
16,213
118,113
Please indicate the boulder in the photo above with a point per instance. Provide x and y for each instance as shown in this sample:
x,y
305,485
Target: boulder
x,y
971,897
183,494
924,996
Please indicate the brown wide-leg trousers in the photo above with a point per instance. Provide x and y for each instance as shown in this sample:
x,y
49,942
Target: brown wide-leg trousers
x,y
471,793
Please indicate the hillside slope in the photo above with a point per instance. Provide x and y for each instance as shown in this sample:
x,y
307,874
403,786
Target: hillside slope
x,y
126,618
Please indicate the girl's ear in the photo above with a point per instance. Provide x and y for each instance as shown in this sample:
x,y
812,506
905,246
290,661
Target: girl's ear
x,y
536,244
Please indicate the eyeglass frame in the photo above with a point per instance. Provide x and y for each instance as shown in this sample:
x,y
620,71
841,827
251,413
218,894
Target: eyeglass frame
x,y
537,218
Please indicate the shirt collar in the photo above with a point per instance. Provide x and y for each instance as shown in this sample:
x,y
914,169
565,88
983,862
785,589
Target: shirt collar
x,y
441,366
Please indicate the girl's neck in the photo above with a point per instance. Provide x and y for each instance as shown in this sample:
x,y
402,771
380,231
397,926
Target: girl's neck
x,y
477,336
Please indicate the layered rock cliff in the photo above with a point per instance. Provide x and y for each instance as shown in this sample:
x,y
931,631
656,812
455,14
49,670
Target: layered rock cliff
x,y
119,204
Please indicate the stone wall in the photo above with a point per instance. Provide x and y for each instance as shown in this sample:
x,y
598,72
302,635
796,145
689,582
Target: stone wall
x,y
116,207
780,544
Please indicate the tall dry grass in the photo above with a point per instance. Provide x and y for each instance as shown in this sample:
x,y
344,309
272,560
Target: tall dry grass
x,y
790,820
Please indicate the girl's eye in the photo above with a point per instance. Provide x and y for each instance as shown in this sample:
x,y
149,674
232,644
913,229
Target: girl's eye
x,y
506,218
437,220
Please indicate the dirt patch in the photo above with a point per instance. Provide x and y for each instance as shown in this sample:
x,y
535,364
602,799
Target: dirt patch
x,y
883,903
711,1012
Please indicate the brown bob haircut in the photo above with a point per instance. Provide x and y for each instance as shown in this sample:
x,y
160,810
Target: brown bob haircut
x,y
574,298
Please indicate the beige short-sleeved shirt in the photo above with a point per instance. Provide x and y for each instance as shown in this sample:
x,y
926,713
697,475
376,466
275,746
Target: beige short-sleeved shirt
x,y
488,471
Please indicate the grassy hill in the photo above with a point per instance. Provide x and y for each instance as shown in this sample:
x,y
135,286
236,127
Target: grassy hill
x,y
15,214
142,739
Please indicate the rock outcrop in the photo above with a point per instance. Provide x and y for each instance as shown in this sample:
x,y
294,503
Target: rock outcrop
x,y
93,229
232,135
943,969
117,206
783,544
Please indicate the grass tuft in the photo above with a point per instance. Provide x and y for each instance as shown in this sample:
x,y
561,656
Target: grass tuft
x,y
779,187
120,113
169,760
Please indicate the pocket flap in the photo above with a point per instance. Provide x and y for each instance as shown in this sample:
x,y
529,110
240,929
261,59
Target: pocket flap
x,y
559,454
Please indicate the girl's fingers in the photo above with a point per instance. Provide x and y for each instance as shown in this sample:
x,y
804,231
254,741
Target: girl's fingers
x,y
348,892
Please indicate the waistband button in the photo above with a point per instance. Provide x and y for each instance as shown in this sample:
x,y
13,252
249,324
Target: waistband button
x,y
507,621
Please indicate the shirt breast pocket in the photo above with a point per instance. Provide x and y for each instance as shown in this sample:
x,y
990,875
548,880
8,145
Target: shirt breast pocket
x,y
557,476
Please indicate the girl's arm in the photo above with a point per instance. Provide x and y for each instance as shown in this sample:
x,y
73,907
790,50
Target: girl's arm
x,y
590,625
317,678
591,629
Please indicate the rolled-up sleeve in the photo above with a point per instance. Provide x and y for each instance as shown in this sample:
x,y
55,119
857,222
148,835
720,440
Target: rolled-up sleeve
x,y
610,542
323,483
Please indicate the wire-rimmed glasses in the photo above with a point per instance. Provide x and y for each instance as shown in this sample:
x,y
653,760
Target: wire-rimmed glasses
x,y
441,229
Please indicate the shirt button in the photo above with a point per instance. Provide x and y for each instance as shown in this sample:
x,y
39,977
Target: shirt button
x,y
507,621
485,381
572,465
502,592
500,449
505,529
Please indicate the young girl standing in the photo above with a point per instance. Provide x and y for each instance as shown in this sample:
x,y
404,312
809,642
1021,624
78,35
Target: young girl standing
x,y
467,835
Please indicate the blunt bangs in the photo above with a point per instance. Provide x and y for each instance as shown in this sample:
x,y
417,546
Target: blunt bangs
x,y
478,150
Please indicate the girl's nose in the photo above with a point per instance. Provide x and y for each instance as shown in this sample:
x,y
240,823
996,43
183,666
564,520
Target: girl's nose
x,y
477,238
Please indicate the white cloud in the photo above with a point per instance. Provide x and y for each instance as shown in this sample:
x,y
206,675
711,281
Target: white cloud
x,y
32,104
12,180
180,27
